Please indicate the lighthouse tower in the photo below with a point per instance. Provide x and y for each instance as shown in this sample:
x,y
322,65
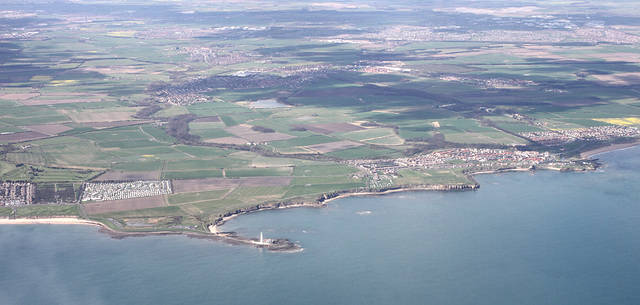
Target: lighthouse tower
x,y
261,239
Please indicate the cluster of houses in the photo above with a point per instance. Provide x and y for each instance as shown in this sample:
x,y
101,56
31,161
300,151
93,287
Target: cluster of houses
x,y
476,156
125,190
587,32
214,58
13,193
192,91
457,158
488,82
178,32
599,133
183,98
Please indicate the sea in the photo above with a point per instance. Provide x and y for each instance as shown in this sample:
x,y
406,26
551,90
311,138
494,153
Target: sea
x,y
523,238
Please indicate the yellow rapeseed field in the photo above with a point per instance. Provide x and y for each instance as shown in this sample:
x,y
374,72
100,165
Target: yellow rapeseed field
x,y
121,33
621,121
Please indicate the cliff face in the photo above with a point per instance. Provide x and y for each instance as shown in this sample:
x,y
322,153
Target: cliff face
x,y
260,207
418,187
320,201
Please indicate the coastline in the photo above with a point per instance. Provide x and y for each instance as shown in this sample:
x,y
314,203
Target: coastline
x,y
53,220
590,153
278,245
391,191
336,195
214,231
216,226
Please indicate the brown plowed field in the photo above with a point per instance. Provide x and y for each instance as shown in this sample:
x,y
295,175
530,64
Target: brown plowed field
x,y
22,136
18,96
207,184
128,176
50,129
241,130
124,205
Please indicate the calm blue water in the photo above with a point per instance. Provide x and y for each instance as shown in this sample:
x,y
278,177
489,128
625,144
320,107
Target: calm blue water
x,y
543,238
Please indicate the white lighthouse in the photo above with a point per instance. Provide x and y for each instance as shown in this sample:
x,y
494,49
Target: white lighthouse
x,y
261,239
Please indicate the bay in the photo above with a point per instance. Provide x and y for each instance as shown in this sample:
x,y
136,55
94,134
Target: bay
x,y
522,238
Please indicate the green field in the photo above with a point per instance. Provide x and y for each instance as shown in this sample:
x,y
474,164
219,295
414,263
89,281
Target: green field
x,y
258,172
132,95
362,152
47,174
48,210
202,152
144,213
519,128
302,190
6,212
147,165
314,171
256,194
223,162
320,180
196,196
192,174
366,134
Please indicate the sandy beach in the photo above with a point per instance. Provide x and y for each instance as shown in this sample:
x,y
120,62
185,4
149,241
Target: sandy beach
x,y
214,229
588,154
61,221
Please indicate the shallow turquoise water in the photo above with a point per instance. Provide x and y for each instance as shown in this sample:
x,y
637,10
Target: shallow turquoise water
x,y
543,238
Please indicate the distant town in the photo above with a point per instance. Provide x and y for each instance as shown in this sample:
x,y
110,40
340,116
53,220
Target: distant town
x,y
561,137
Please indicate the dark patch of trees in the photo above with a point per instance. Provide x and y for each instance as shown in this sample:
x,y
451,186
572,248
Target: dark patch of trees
x,y
157,86
262,129
5,148
490,123
148,111
376,124
178,127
